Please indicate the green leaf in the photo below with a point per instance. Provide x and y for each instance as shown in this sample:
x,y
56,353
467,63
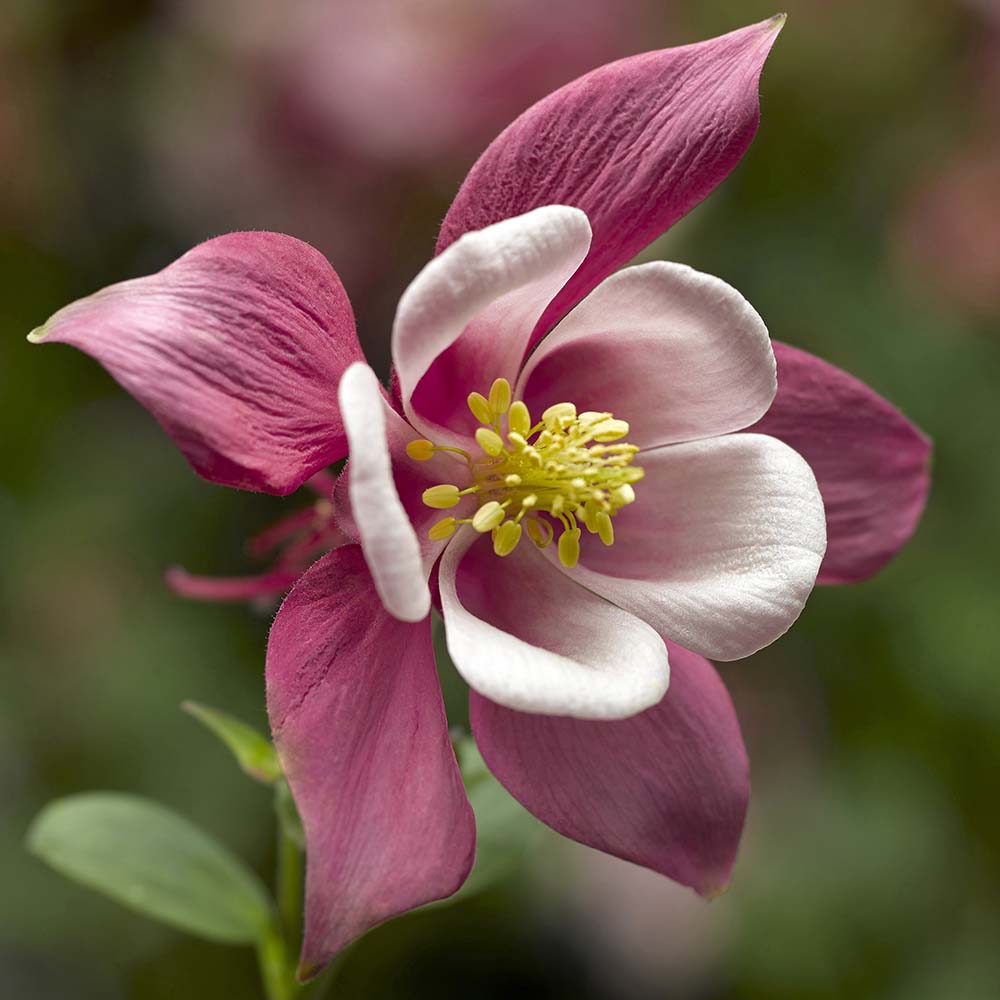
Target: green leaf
x,y
505,830
252,750
148,857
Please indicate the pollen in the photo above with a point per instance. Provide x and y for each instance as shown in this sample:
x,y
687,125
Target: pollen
x,y
567,472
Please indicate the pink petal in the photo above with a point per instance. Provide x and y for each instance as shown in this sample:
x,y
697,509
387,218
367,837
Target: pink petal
x,y
667,789
525,636
636,144
871,463
390,545
359,724
466,318
678,354
721,547
236,349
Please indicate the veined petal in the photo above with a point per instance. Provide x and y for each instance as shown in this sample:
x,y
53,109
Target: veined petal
x,y
527,637
679,354
721,547
466,318
871,463
636,144
236,349
360,728
666,789
390,545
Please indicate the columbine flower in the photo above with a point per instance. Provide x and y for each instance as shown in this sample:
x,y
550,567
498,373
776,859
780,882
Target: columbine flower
x,y
606,525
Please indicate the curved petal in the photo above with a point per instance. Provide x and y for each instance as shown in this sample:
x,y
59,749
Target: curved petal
x,y
721,547
871,463
667,789
390,545
359,724
636,144
466,318
527,637
236,349
679,354
381,458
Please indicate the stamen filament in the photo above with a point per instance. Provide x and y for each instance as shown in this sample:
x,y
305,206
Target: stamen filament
x,y
569,469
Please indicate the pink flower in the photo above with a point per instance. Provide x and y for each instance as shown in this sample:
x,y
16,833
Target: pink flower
x,y
624,531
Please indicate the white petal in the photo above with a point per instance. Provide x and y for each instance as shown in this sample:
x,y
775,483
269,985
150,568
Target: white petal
x,y
528,638
721,547
387,538
467,317
679,354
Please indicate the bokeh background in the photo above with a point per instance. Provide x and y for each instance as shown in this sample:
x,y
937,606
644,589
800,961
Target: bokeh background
x,y
864,224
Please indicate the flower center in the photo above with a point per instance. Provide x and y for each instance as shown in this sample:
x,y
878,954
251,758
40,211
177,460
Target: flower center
x,y
552,475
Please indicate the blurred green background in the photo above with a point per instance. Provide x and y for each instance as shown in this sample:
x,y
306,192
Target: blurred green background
x,y
864,224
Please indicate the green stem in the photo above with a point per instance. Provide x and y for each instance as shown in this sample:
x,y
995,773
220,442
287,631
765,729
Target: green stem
x,y
278,951
276,972
291,869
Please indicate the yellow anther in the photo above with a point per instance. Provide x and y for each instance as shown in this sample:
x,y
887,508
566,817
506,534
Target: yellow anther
x,y
519,419
489,441
442,497
610,430
488,517
420,450
539,531
623,494
506,538
480,407
500,396
605,528
569,547
559,416
569,468
443,529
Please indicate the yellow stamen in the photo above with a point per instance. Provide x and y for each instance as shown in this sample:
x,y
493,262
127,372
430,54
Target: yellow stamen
x,y
605,528
569,471
559,416
480,407
420,450
519,419
443,529
539,531
488,516
489,441
610,430
500,396
624,494
569,547
506,538
442,497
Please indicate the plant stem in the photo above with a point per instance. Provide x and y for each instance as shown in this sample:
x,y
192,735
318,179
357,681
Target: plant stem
x,y
276,972
279,948
289,885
